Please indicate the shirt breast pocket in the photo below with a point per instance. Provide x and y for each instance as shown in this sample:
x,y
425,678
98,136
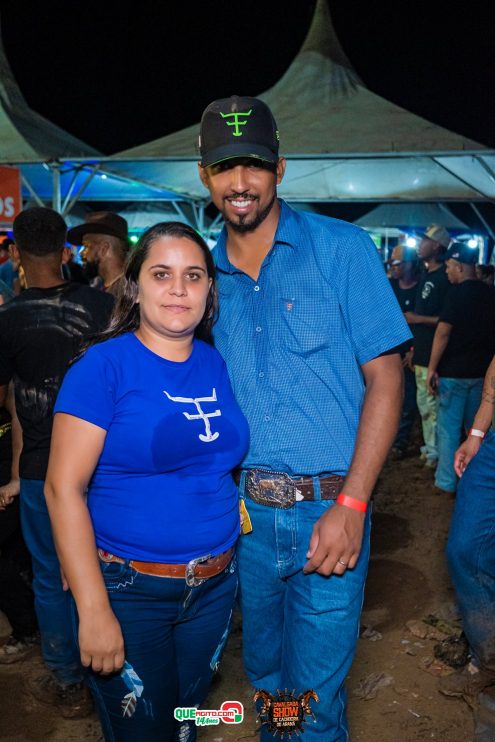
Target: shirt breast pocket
x,y
304,324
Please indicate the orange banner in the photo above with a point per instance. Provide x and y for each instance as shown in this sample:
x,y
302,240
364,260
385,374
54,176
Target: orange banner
x,y
10,194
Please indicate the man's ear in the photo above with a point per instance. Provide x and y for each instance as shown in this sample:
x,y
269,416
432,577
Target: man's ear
x,y
66,255
203,175
281,169
14,252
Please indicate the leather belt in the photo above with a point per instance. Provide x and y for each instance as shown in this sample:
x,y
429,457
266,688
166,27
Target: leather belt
x,y
277,489
194,572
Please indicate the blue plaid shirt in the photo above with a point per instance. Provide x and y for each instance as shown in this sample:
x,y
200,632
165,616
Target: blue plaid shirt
x,y
294,340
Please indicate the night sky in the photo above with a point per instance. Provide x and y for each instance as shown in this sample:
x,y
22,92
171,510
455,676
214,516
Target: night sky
x,y
117,79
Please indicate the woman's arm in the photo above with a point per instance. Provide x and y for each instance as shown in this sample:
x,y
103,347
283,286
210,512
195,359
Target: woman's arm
x,y
75,449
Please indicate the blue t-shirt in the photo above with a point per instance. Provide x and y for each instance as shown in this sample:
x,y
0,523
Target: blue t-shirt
x,y
294,340
162,490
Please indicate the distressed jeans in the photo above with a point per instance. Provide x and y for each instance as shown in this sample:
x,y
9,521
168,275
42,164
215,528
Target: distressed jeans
x,y
299,630
459,400
428,409
51,602
173,638
471,553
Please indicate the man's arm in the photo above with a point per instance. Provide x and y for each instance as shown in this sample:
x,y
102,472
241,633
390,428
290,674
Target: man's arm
x,y
440,342
481,422
420,319
338,534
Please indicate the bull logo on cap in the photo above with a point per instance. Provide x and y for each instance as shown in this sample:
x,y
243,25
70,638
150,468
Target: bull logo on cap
x,y
236,120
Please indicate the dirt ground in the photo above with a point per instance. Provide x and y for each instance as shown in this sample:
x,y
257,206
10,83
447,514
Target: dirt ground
x,y
407,580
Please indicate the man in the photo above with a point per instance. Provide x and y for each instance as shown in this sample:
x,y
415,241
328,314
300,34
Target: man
x,y
104,236
432,290
40,332
306,316
471,549
463,346
404,282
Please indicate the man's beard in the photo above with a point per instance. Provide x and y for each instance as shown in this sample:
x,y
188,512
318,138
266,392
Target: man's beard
x,y
241,227
90,269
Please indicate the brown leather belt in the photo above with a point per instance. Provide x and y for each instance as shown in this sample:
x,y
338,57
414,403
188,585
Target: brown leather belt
x,y
277,489
194,572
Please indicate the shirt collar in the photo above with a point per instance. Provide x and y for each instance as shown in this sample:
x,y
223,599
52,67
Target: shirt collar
x,y
288,232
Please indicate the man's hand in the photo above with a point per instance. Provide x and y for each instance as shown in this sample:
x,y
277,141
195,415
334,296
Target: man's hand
x,y
8,492
335,542
465,453
432,382
407,361
412,318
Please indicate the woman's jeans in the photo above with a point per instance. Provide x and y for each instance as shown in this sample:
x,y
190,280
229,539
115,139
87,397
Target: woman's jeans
x,y
299,630
173,638
52,603
459,400
471,553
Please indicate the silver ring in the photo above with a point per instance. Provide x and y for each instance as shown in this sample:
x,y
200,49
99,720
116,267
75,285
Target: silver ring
x,y
342,563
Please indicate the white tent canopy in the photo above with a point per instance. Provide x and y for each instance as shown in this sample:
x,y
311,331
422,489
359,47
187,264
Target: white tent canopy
x,y
342,141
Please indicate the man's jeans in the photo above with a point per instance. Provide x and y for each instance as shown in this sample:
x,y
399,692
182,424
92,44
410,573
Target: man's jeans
x,y
428,407
299,630
409,410
459,400
173,636
471,553
52,604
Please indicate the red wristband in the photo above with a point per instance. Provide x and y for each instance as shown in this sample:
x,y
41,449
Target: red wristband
x,y
352,502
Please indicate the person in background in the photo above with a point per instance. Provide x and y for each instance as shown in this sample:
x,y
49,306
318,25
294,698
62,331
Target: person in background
x,y
404,271
149,556
432,290
463,346
471,551
485,273
40,332
9,268
104,236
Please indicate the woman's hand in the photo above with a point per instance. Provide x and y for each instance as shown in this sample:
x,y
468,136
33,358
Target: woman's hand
x,y
101,641
8,492
465,453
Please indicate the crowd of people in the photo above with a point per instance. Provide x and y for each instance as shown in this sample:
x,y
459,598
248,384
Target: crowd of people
x,y
178,423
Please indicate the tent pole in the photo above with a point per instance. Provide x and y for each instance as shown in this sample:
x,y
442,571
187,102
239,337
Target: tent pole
x,y
56,195
73,201
31,190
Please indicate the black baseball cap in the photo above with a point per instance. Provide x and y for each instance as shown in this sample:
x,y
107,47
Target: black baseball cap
x,y
238,127
462,253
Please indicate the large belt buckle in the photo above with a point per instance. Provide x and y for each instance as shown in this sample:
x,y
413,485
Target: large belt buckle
x,y
275,489
191,579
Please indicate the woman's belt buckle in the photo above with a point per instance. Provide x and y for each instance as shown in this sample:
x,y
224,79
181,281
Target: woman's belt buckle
x,y
190,577
275,489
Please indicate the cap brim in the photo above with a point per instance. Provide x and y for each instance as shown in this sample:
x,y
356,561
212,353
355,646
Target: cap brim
x,y
239,149
76,234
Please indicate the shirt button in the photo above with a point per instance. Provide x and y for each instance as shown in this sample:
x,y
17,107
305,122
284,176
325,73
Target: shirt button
x,y
258,329
261,374
267,418
256,288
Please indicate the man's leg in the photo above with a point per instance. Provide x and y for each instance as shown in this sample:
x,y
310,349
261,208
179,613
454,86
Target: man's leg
x,y
409,409
428,407
452,401
51,602
471,554
473,402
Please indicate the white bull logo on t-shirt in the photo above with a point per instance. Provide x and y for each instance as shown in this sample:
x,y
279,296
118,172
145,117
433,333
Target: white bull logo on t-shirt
x,y
201,415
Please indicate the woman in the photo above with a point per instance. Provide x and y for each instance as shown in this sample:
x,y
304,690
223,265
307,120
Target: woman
x,y
146,420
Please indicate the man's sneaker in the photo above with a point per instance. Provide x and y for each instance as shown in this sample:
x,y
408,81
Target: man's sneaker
x,y
15,650
73,701
431,463
467,683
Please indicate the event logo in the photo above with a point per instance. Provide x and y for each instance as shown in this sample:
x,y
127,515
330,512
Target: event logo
x,y
230,712
207,436
236,121
284,714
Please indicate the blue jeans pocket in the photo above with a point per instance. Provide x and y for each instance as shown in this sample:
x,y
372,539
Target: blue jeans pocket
x,y
117,577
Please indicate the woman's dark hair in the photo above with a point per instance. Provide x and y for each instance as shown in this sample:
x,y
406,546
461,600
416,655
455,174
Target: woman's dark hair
x,y
125,316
